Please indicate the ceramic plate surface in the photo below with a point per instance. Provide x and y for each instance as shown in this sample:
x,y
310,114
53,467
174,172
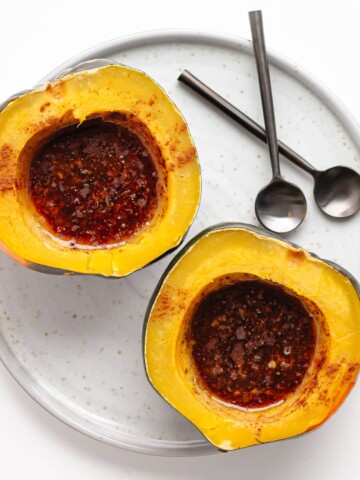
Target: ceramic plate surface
x,y
74,343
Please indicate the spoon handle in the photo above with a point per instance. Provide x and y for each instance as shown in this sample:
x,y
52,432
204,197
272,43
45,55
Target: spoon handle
x,y
241,118
262,65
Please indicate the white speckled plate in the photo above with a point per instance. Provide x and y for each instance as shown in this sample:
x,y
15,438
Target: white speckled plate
x,y
74,343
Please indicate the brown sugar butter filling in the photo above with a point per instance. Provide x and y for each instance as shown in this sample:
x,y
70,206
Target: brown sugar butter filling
x,y
94,184
252,343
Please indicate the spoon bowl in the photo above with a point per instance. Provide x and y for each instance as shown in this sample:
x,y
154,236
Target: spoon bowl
x,y
280,206
337,191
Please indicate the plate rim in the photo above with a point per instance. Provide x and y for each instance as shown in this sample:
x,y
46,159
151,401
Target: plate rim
x,y
124,43
183,35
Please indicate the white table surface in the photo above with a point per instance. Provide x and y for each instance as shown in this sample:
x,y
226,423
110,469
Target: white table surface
x,y
36,36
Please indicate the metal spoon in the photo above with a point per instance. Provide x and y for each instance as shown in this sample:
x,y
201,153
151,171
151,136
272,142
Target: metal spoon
x,y
281,205
336,190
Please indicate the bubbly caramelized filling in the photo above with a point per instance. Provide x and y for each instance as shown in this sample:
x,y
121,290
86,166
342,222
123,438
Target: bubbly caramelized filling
x,y
94,184
252,343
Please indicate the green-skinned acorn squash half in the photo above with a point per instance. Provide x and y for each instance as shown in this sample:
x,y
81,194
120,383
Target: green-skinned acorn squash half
x,y
98,174
251,338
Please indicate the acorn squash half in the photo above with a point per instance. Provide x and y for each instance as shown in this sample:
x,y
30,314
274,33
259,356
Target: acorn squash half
x,y
216,259
114,98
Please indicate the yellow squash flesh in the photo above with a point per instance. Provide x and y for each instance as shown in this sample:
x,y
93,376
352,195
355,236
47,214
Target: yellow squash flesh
x,y
236,249
73,99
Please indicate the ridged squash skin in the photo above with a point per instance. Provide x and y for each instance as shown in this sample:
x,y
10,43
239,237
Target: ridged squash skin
x,y
237,248
116,93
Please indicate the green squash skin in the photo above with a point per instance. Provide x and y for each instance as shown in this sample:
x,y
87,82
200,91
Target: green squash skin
x,y
89,65
193,241
37,267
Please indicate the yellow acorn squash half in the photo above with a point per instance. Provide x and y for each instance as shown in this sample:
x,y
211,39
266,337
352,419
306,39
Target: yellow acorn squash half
x,y
203,369
135,205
